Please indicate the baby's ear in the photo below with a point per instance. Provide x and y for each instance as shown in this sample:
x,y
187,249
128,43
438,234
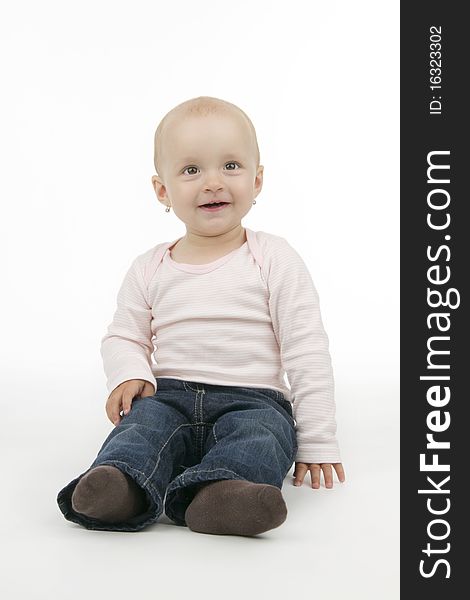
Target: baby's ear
x,y
159,187
259,179
156,181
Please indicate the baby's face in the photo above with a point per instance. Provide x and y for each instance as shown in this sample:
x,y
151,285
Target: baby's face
x,y
207,158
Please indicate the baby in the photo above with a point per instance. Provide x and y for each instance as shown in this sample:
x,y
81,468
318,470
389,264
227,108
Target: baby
x,y
208,431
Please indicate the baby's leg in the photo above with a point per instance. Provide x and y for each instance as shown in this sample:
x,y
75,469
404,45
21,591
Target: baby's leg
x,y
123,490
248,453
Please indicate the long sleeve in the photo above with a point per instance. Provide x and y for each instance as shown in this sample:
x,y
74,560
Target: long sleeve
x,y
303,344
127,347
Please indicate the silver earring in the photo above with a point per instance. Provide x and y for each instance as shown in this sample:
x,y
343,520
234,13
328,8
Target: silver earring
x,y
254,202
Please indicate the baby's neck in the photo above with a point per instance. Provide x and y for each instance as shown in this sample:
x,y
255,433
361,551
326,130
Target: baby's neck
x,y
207,243
197,249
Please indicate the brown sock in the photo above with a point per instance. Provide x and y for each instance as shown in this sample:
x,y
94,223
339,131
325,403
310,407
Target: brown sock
x,y
236,507
108,494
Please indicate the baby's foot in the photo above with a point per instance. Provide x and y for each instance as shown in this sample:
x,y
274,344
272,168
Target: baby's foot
x,y
236,507
108,494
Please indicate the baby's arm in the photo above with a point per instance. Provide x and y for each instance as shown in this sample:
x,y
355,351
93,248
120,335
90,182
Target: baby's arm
x,y
127,347
303,344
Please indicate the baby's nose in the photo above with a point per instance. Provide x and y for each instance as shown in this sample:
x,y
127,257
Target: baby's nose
x,y
213,188
213,182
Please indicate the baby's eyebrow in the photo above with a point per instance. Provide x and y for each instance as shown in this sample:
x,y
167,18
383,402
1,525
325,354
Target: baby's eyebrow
x,y
228,155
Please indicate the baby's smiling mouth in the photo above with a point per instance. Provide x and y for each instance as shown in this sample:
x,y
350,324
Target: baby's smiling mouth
x,y
213,204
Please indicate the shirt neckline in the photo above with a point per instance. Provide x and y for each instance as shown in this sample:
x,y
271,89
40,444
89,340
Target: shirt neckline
x,y
202,268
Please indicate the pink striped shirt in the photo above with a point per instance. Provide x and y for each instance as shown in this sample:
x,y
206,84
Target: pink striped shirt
x,y
246,319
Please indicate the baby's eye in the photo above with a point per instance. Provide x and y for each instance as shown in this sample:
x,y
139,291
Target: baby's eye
x,y
232,163
187,169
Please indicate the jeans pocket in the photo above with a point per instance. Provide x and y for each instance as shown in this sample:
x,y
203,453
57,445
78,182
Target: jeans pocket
x,y
273,394
285,404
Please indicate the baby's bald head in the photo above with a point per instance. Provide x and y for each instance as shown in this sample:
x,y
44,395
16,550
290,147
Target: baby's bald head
x,y
200,107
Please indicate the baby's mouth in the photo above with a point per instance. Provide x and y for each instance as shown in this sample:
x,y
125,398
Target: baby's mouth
x,y
213,204
214,207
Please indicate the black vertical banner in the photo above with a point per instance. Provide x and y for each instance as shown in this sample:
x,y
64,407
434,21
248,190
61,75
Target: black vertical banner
x,y
435,253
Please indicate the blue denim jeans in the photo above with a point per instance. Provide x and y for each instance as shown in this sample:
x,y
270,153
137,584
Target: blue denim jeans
x,y
189,434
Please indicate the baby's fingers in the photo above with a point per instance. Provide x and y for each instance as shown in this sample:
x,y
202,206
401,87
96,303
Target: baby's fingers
x,y
299,473
339,471
127,398
315,471
113,406
328,475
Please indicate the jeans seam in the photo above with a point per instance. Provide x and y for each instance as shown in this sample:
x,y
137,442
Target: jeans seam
x,y
157,461
188,388
214,433
208,471
200,430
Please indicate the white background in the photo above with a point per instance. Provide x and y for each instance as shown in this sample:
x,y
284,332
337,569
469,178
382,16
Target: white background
x,y
84,86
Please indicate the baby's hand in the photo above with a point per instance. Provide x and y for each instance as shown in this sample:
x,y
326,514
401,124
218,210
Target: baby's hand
x,y
122,397
315,471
